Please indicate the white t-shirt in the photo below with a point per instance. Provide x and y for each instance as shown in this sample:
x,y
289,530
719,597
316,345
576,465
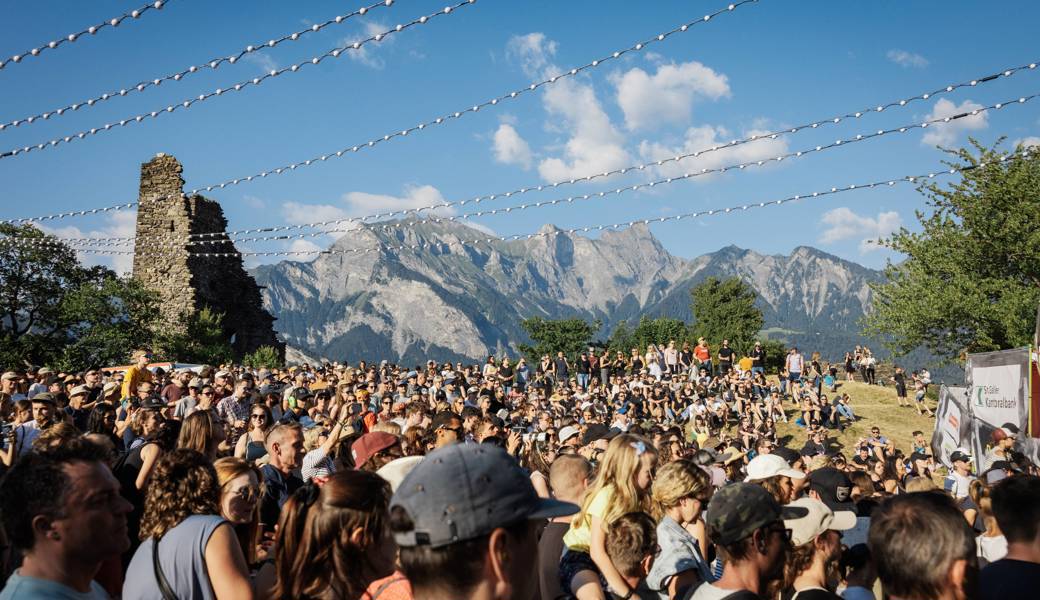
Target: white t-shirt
x,y
991,548
795,362
958,484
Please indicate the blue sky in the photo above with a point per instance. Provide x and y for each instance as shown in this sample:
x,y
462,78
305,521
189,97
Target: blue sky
x,y
765,66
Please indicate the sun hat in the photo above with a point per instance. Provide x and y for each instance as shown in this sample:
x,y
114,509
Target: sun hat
x,y
765,466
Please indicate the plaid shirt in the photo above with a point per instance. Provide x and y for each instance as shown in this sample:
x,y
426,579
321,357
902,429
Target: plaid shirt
x,y
233,409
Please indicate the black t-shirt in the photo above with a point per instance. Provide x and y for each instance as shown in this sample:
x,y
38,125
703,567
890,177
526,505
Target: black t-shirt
x,y
550,549
1009,579
561,368
726,355
815,594
505,374
758,357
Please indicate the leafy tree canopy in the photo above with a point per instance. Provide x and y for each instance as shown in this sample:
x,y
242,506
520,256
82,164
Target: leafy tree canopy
x,y
570,336
971,279
55,311
725,309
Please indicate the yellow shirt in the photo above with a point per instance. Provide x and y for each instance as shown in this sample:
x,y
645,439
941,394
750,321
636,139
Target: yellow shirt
x,y
133,377
579,536
745,363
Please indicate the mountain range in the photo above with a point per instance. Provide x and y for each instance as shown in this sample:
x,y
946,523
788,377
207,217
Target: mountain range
x,y
420,292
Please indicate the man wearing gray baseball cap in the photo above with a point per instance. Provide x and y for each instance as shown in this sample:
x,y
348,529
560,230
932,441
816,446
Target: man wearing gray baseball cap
x,y
466,521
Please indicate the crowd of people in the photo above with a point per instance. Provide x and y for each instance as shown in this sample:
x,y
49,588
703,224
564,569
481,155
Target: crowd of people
x,y
651,475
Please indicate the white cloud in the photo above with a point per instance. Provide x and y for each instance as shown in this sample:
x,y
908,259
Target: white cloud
x,y
705,137
414,197
533,52
594,145
907,59
262,60
666,97
366,54
118,224
510,148
843,224
1026,142
944,134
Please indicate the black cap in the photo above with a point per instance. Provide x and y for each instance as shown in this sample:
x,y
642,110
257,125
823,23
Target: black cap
x,y
595,432
152,403
834,488
788,454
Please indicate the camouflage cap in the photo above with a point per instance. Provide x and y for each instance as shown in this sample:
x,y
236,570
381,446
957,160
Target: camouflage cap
x,y
738,509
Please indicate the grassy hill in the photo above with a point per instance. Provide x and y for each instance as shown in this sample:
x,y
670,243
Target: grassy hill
x,y
873,405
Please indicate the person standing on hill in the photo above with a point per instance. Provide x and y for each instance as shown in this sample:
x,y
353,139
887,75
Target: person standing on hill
x,y
795,364
703,355
137,374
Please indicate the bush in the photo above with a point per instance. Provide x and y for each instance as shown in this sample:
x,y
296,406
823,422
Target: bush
x,y
265,357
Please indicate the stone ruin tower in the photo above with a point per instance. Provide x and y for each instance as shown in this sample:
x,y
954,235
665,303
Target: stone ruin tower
x,y
185,282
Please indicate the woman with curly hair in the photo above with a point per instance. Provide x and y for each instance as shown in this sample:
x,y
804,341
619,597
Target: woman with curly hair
x,y
334,540
188,550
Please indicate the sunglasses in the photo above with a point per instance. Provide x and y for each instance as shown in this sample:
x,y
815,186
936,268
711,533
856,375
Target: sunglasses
x,y
248,493
259,416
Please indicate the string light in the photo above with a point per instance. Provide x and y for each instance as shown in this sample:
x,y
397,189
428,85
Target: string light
x,y
188,103
195,239
590,228
874,108
92,30
212,63
389,136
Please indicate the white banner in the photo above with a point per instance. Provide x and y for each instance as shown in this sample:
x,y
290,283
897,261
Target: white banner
x,y
996,393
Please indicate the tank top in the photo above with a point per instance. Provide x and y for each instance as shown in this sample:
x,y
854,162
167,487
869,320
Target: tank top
x,y
182,557
255,450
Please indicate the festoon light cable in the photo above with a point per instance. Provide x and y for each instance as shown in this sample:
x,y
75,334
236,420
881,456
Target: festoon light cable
x,y
387,137
255,81
876,108
92,30
589,228
212,63
224,237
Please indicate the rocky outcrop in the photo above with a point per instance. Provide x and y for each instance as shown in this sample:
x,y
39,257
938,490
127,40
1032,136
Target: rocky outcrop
x,y
184,280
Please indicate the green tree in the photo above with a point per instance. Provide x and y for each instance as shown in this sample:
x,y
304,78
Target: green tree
x,y
106,319
571,336
202,340
725,309
55,311
622,338
660,331
264,357
971,278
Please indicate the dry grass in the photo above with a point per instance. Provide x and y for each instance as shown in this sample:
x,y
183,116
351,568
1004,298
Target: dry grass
x,y
873,405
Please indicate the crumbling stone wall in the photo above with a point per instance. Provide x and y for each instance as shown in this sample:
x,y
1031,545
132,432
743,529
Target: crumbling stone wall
x,y
185,281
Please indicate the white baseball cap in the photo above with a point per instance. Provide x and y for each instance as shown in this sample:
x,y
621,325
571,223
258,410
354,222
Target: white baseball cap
x,y
567,433
765,466
820,519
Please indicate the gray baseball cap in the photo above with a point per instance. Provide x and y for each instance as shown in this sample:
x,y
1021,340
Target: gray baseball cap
x,y
463,491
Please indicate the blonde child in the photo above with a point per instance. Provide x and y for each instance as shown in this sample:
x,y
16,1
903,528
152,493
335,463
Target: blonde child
x,y
622,486
681,492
